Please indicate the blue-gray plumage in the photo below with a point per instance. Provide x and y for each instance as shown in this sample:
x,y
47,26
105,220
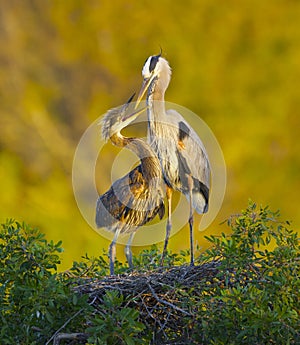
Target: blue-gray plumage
x,y
183,158
137,197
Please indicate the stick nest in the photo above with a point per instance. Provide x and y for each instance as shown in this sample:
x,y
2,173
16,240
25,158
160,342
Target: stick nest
x,y
162,297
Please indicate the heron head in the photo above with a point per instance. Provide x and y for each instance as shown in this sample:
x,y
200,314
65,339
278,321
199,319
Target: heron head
x,y
118,118
156,73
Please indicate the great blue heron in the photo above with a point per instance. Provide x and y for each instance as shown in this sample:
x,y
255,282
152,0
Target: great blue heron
x,y
137,197
181,153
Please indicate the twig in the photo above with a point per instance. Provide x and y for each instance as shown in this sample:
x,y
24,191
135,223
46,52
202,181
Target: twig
x,y
156,320
166,302
72,336
67,322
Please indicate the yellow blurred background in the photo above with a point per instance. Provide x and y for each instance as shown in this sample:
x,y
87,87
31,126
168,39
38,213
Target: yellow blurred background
x,y
64,63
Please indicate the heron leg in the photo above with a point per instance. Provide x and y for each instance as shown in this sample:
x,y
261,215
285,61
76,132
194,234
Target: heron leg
x,y
112,253
169,223
128,251
191,219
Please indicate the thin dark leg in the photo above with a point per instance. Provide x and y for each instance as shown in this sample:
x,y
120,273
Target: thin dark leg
x,y
169,224
191,221
128,251
112,254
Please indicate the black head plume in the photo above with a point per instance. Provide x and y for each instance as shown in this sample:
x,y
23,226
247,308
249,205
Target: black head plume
x,y
153,62
130,99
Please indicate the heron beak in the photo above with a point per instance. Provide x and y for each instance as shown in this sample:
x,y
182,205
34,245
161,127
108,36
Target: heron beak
x,y
144,88
134,115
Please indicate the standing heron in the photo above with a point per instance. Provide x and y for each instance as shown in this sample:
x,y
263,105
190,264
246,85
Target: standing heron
x,y
137,197
182,156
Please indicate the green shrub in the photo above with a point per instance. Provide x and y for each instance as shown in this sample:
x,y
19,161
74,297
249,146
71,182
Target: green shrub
x,y
244,290
256,294
33,298
116,324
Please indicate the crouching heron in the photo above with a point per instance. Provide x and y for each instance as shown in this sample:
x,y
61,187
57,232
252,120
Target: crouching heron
x,y
137,197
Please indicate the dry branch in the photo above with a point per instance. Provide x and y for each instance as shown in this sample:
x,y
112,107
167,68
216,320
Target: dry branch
x,y
161,296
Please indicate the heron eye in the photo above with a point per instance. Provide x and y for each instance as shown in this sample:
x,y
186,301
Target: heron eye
x,y
153,62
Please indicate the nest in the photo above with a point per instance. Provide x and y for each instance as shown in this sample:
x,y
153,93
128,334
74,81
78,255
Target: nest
x,y
138,283
162,297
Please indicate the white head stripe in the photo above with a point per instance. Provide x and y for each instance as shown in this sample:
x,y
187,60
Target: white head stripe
x,y
146,68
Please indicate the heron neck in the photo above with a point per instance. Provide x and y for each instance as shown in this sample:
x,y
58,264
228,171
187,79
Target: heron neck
x,y
156,114
149,162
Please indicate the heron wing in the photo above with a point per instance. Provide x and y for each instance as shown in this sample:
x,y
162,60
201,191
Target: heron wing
x,y
129,203
192,160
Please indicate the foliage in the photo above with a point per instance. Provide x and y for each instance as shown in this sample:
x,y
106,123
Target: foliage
x,y
255,297
34,299
115,323
146,260
243,290
150,259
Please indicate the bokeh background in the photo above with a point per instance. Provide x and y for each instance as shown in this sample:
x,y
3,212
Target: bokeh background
x,y
64,63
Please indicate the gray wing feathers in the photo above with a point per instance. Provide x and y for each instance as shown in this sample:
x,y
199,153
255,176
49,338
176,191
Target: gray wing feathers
x,y
129,203
194,157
